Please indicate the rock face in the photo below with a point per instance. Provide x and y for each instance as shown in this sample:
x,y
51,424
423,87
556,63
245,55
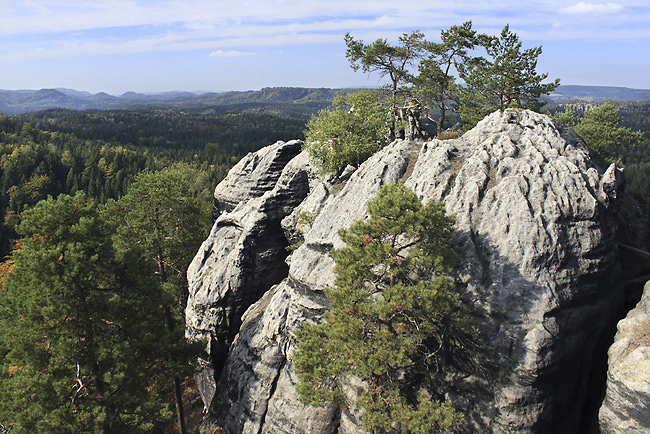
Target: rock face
x,y
626,408
245,251
537,262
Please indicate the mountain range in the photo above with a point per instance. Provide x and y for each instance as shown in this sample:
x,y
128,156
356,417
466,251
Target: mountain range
x,y
24,101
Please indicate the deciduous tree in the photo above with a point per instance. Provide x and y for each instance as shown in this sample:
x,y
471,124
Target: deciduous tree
x,y
351,132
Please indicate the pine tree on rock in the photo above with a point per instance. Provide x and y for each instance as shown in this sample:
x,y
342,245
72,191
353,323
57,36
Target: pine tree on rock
x,y
393,315
507,78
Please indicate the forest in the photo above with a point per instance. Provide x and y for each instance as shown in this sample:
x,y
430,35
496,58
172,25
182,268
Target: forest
x,y
94,204
100,152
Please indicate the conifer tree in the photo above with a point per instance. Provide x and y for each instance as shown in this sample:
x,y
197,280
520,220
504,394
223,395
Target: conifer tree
x,y
435,82
159,214
392,61
507,78
601,128
81,345
393,314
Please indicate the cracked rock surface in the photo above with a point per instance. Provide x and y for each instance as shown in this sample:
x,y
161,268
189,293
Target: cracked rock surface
x,y
537,262
626,408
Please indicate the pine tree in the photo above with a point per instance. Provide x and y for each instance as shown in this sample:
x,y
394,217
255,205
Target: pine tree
x,y
601,128
81,343
507,78
393,314
159,214
435,82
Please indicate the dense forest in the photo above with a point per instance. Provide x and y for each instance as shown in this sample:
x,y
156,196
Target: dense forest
x,y
93,205
100,152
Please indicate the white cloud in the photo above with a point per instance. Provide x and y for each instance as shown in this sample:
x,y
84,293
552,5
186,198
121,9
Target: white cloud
x,y
584,8
233,53
64,28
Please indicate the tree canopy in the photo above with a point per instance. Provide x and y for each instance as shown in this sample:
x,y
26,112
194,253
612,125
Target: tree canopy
x,y
435,84
160,214
82,349
387,60
506,78
393,314
352,131
601,128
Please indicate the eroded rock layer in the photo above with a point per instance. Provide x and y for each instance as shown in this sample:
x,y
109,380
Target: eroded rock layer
x,y
537,262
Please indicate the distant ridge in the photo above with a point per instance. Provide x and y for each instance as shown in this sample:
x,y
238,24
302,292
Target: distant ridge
x,y
23,101
598,93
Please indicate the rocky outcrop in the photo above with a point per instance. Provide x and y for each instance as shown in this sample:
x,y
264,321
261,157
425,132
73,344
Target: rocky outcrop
x,y
537,262
244,255
626,408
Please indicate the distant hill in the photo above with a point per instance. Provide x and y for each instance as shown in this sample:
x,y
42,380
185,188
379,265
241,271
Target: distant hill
x,y
25,101
566,93
294,100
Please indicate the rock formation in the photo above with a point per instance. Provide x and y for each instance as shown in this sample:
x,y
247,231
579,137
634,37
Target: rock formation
x,y
537,262
626,408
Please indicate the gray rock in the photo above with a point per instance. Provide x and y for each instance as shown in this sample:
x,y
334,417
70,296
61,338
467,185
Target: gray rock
x,y
254,175
244,254
537,261
626,408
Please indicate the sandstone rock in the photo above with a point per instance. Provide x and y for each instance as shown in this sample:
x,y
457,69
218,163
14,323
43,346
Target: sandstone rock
x,y
537,261
626,408
254,175
245,252
537,258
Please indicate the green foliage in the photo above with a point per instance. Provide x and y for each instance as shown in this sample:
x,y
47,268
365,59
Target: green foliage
x,y
393,315
435,83
82,349
507,78
568,117
159,214
601,128
354,130
388,60
619,131
100,153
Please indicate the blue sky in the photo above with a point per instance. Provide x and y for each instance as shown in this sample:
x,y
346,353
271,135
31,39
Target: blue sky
x,y
217,45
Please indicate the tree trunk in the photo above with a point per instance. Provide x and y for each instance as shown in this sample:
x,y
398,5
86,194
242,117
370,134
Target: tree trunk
x,y
169,325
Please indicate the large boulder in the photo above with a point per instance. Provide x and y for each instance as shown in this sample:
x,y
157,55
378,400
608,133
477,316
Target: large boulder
x,y
626,408
537,263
